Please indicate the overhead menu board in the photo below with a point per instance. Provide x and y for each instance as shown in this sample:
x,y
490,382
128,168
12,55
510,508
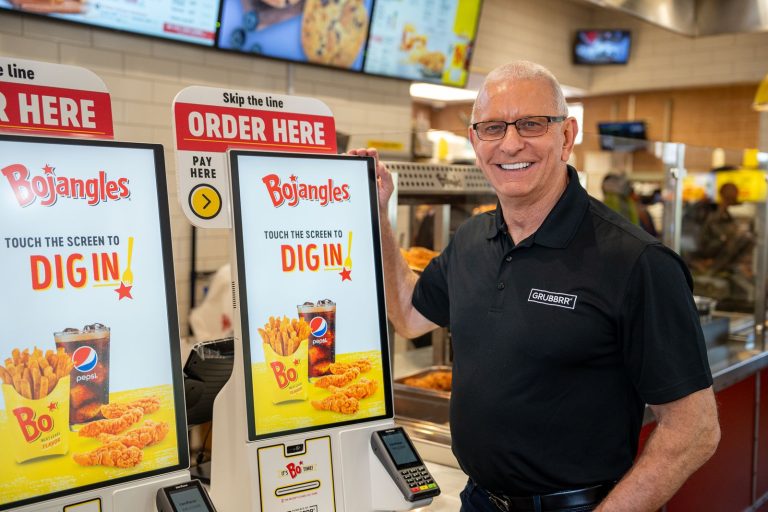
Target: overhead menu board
x,y
311,291
192,22
89,344
429,41
316,31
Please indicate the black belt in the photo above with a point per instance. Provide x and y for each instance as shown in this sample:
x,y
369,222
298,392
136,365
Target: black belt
x,y
555,501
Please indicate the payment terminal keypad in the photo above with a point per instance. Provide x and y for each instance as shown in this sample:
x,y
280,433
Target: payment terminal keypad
x,y
418,479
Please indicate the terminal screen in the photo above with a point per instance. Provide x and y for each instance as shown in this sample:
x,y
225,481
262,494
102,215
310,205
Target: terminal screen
x,y
89,347
399,448
189,500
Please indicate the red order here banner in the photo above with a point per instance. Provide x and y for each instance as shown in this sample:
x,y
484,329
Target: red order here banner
x,y
215,129
26,108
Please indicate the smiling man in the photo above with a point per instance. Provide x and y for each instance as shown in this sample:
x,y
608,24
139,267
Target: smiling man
x,y
566,320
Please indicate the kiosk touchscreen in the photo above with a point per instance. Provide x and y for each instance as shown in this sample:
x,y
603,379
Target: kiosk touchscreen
x,y
92,400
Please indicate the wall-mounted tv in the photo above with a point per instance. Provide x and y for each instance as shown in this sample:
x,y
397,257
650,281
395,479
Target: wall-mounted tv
x,y
601,46
315,31
191,22
425,41
622,135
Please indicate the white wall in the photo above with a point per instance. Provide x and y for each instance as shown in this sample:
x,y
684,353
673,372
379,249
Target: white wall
x,y
143,75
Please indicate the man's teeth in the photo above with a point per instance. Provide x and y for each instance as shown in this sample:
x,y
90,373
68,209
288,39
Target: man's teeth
x,y
515,167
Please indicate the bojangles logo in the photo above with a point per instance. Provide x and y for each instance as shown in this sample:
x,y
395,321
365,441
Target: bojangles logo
x,y
292,192
49,187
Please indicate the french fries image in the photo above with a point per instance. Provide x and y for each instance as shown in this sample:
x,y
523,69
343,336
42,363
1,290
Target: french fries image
x,y
34,375
284,335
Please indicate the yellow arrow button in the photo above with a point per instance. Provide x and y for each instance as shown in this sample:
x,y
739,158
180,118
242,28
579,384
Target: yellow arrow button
x,y
205,201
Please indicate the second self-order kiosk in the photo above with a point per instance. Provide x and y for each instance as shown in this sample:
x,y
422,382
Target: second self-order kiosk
x,y
92,405
305,423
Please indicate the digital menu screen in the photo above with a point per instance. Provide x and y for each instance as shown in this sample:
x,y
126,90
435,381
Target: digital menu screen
x,y
89,344
316,31
429,41
191,22
311,291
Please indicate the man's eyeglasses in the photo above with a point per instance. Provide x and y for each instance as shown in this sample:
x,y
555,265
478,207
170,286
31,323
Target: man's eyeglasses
x,y
531,126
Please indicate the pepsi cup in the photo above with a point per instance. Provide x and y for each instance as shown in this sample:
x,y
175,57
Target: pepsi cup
x,y
89,378
321,318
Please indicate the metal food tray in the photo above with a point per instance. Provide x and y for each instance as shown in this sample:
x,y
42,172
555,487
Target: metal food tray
x,y
422,403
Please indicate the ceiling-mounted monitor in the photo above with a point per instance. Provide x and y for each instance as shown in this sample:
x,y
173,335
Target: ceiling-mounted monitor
x,y
602,46
423,41
191,22
309,31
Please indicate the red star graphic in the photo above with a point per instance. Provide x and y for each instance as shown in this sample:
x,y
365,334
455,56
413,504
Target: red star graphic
x,y
295,362
48,169
53,406
294,177
124,291
346,275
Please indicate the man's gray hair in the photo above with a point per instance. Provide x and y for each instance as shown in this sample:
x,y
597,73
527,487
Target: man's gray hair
x,y
526,70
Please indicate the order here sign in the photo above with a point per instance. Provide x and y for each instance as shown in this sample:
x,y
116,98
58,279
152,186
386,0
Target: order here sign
x,y
208,121
53,99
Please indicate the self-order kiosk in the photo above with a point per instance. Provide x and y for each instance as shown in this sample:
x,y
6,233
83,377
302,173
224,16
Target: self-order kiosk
x,y
311,383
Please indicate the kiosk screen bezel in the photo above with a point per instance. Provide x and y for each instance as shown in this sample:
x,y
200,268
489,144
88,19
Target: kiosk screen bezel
x,y
242,287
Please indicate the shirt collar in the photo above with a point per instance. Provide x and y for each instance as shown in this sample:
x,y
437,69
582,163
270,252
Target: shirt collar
x,y
561,223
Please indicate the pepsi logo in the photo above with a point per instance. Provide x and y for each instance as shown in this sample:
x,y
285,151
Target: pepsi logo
x,y
318,326
85,359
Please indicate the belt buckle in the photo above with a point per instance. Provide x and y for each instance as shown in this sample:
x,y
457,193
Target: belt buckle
x,y
499,502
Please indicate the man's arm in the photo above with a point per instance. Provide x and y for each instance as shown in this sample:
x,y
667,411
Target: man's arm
x,y
399,280
685,437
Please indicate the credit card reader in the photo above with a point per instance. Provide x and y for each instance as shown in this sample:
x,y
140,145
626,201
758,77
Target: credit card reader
x,y
184,497
396,452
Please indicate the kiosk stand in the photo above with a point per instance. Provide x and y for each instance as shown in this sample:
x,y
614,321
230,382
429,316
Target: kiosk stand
x,y
311,381
92,405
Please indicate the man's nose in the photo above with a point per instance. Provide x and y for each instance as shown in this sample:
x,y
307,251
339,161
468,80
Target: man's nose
x,y
512,142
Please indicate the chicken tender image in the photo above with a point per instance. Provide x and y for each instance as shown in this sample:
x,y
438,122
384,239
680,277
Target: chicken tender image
x,y
359,390
338,402
149,405
151,433
87,412
363,365
114,454
338,380
112,426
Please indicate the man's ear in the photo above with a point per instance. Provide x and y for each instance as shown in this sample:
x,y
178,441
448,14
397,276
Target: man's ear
x,y
570,130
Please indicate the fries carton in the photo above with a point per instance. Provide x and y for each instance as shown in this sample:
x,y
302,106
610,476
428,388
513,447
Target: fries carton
x,y
289,372
39,427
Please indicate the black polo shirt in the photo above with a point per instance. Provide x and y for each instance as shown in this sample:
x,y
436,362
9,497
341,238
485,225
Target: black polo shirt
x,y
559,342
